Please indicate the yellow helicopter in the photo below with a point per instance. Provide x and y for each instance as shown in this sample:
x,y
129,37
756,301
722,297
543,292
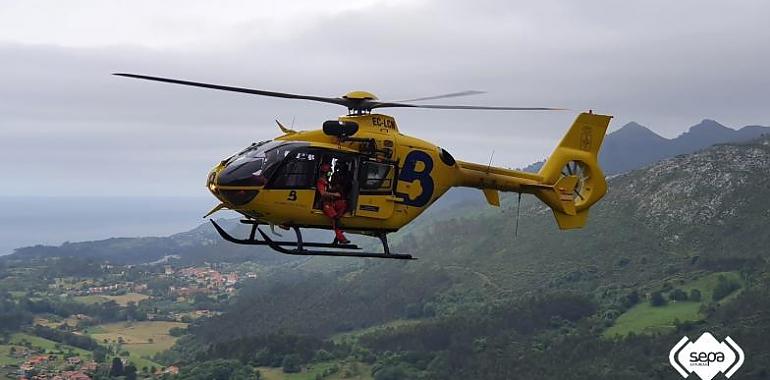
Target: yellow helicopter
x,y
385,178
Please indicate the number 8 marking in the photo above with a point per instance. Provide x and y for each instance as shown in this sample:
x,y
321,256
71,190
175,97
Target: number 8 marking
x,y
410,174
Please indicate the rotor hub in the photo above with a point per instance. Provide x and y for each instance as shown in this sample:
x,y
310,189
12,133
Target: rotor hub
x,y
360,95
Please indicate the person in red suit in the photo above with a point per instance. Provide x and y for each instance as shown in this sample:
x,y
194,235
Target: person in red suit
x,y
334,203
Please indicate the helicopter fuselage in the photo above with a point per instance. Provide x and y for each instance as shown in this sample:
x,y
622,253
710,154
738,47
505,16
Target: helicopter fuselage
x,y
392,178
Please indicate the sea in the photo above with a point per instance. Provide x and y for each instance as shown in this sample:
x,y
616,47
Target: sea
x,y
27,221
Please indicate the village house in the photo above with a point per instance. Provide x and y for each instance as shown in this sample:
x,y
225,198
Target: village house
x,y
74,375
188,292
89,367
73,360
36,364
38,360
171,370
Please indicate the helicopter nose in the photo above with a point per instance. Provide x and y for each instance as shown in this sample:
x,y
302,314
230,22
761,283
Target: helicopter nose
x,y
231,190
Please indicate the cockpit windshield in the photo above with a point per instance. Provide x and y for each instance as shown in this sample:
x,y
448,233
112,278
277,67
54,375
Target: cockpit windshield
x,y
252,166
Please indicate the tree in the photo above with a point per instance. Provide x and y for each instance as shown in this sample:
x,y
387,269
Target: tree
x,y
724,288
117,367
413,311
677,295
632,298
322,356
391,373
177,331
656,299
695,295
132,313
291,363
219,370
130,372
100,354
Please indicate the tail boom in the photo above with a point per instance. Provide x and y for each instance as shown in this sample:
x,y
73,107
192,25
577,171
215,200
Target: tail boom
x,y
569,182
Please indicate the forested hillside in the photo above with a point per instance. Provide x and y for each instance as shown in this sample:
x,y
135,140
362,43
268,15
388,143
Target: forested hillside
x,y
675,248
481,293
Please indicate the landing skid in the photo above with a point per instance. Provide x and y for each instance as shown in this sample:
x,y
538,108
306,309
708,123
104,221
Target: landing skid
x,y
300,247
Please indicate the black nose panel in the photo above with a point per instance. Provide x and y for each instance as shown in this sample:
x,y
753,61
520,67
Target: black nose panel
x,y
238,197
242,172
246,171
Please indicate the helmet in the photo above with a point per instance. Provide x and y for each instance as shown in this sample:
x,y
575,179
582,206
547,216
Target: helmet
x,y
325,168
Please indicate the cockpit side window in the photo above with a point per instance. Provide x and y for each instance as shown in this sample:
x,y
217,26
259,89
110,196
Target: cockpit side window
x,y
376,177
254,165
296,172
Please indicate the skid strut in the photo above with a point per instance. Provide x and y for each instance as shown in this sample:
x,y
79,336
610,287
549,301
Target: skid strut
x,y
299,247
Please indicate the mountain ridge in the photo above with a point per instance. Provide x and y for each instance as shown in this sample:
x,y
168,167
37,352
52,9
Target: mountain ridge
x,y
634,145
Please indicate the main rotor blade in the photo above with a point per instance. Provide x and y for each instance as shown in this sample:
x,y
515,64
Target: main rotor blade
x,y
453,107
444,96
340,101
351,104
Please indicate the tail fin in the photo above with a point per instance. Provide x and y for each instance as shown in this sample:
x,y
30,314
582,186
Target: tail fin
x,y
573,169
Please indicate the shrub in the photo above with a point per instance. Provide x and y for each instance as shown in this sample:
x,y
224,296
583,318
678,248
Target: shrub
x,y
177,331
724,288
656,299
291,363
677,295
632,298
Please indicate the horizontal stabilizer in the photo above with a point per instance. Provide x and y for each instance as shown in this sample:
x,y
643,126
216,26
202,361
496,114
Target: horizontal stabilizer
x,y
493,197
568,222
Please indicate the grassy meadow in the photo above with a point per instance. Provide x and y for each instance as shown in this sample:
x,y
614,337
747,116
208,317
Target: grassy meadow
x,y
333,371
121,300
644,318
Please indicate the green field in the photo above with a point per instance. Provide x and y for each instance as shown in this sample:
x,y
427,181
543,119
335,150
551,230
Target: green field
x,y
45,344
351,371
135,335
90,300
141,339
39,344
121,300
5,358
645,318
337,338
141,362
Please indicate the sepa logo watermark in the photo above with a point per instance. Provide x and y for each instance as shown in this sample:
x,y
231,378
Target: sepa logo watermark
x,y
706,357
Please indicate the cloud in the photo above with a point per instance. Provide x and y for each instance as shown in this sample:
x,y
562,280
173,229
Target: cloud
x,y
67,127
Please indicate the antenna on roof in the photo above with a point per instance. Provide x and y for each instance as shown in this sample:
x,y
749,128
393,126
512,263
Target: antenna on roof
x,y
489,166
518,213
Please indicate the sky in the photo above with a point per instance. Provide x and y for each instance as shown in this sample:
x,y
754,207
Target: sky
x,y
67,127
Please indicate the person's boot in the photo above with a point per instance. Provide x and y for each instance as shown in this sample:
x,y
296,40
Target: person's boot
x,y
340,236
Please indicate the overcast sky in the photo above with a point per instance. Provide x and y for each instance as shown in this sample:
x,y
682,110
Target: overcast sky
x,y
67,127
